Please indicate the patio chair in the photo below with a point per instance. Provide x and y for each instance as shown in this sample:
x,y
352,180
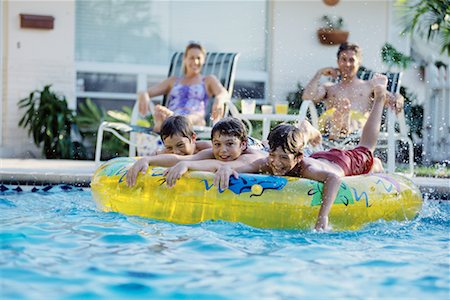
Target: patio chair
x,y
389,135
220,64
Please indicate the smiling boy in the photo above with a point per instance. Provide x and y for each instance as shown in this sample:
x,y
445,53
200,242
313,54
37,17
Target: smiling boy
x,y
178,137
286,157
229,145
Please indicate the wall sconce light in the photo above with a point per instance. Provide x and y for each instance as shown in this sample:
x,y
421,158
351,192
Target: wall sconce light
x,y
36,21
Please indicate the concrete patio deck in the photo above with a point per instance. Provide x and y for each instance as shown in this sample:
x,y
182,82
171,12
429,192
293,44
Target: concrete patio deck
x,y
79,172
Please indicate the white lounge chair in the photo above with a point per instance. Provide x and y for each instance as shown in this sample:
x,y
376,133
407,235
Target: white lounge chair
x,y
220,64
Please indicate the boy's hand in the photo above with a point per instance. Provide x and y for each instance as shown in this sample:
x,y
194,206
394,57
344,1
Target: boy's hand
x,y
174,173
380,92
222,177
140,166
321,224
379,79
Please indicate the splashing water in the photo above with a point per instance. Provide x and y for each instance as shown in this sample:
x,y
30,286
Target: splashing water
x,y
56,244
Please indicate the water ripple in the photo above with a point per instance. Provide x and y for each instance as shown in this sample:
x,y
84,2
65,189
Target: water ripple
x,y
58,246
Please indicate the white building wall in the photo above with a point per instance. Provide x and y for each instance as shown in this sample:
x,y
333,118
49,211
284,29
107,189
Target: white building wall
x,y
34,58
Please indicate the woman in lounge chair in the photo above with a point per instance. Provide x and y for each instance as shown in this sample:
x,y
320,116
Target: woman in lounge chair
x,y
187,95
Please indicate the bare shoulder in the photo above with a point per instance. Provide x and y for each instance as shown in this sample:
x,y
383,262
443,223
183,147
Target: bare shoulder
x,y
171,81
260,165
309,164
211,79
203,154
251,157
202,145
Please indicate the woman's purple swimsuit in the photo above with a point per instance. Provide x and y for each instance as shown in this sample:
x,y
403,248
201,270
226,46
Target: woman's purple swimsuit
x,y
188,99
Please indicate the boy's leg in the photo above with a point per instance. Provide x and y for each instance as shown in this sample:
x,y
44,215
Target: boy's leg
x,y
371,129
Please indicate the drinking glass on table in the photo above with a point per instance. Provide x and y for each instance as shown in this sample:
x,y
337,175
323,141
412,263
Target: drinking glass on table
x,y
266,109
248,106
281,108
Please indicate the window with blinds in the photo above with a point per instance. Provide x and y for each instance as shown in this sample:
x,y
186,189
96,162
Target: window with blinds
x,y
135,40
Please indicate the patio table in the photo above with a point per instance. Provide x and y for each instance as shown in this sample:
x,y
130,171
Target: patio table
x,y
267,118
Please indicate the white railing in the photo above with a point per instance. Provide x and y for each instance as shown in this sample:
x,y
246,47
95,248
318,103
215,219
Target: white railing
x,y
436,127
144,75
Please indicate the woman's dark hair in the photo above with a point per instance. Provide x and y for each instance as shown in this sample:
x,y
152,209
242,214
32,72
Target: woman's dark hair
x,y
179,125
230,126
288,137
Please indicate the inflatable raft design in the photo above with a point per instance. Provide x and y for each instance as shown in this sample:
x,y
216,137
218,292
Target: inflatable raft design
x,y
262,201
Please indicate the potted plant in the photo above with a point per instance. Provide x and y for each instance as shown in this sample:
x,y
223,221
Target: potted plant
x,y
331,32
49,120
428,20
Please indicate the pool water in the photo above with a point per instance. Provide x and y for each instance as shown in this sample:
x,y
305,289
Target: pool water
x,y
55,244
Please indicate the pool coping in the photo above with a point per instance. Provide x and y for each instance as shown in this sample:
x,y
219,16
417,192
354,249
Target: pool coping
x,y
79,172
43,171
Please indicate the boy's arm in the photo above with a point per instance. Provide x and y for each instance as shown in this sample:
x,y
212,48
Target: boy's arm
x,y
163,160
202,145
223,174
331,184
209,165
174,173
169,160
139,166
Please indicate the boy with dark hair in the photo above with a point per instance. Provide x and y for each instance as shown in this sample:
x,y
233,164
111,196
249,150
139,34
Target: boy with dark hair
x,y
179,137
286,157
229,145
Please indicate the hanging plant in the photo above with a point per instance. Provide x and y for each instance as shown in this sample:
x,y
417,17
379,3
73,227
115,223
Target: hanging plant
x,y
331,32
49,121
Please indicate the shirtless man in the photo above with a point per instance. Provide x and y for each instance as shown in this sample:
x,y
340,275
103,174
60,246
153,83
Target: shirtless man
x,y
349,101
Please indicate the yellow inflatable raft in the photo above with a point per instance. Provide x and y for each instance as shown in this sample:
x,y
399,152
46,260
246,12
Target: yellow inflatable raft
x,y
258,200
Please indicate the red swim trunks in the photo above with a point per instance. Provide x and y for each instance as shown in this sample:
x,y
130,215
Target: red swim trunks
x,y
354,162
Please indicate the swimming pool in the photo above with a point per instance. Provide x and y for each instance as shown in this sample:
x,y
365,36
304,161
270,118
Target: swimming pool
x,y
56,244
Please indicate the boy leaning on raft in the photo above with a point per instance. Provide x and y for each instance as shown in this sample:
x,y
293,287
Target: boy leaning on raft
x,y
229,145
286,157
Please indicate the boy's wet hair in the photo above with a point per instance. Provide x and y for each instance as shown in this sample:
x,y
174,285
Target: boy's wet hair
x,y
230,126
288,137
349,46
179,125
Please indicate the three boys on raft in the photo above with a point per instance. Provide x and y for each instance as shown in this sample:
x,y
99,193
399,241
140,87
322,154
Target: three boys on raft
x,y
230,153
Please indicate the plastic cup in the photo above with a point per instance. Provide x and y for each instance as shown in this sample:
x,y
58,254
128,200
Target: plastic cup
x,y
248,106
266,109
281,108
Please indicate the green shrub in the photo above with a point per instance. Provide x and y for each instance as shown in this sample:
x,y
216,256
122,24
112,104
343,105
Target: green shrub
x,y
49,121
